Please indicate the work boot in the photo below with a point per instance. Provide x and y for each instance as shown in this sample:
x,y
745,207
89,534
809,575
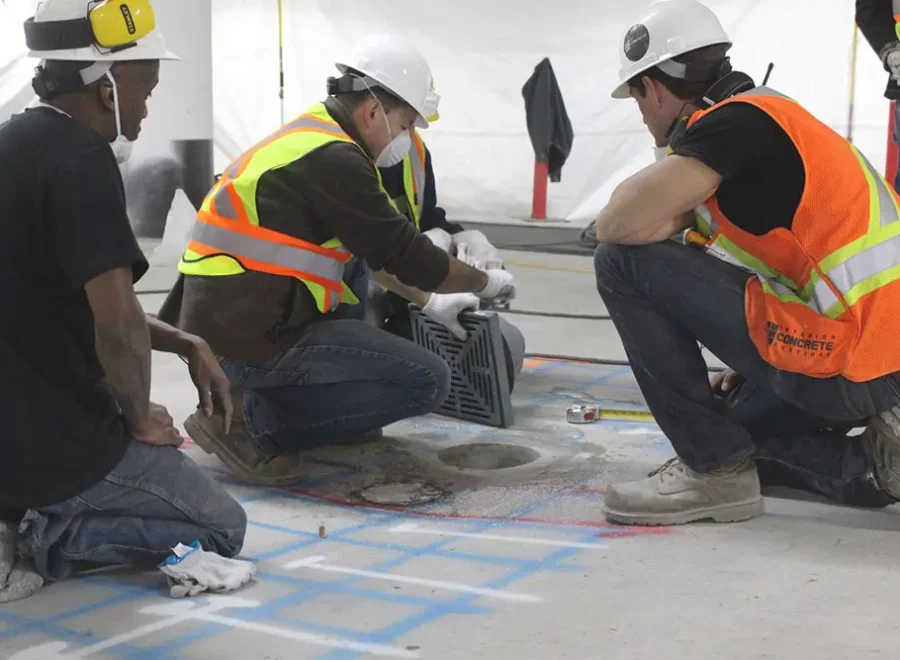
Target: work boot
x,y
881,441
674,494
241,454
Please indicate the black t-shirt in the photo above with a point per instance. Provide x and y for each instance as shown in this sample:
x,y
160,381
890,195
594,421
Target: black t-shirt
x,y
63,222
763,176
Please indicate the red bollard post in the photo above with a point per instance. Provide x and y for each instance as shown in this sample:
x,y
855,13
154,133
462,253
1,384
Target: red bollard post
x,y
890,168
539,199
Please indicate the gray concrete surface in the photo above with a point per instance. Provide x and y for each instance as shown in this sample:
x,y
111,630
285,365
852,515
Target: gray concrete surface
x,y
508,563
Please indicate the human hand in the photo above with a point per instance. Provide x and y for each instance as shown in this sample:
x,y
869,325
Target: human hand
x,y
474,249
501,286
159,429
890,58
724,382
211,382
440,238
445,308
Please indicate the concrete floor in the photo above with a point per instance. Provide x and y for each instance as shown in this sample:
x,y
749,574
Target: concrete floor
x,y
510,563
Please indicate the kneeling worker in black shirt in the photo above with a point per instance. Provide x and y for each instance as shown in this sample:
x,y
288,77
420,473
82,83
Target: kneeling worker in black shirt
x,y
91,473
789,273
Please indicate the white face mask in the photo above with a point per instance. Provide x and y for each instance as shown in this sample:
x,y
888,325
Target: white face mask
x,y
121,146
396,150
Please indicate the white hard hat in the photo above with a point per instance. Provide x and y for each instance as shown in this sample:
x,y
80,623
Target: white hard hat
x,y
668,29
92,31
393,64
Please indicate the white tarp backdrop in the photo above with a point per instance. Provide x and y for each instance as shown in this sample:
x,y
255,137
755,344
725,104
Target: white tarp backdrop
x,y
481,54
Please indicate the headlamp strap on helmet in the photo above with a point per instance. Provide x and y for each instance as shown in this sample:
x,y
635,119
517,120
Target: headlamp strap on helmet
x,y
349,83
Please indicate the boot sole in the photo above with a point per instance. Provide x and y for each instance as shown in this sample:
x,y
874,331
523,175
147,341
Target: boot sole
x,y
723,513
209,445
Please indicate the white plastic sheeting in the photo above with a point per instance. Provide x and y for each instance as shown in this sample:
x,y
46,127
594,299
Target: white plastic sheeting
x,y
481,54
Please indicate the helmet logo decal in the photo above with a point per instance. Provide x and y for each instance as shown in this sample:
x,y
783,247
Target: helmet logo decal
x,y
637,42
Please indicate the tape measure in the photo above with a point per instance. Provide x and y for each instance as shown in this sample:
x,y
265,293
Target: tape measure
x,y
582,414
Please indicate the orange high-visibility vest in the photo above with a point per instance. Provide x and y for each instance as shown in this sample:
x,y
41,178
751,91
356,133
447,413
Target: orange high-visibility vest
x,y
227,238
414,172
825,299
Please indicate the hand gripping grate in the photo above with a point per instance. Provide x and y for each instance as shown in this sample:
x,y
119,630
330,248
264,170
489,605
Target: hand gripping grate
x,y
479,387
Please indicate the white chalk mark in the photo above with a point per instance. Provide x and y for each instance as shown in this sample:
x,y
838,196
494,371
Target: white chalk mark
x,y
182,611
645,430
412,528
315,563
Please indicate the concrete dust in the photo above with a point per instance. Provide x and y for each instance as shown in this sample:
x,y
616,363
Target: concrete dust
x,y
401,494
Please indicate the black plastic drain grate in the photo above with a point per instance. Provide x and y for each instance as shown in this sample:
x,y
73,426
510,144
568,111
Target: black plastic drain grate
x,y
479,387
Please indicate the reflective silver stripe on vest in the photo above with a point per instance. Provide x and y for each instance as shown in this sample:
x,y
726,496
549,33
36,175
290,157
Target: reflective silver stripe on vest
x,y
285,256
886,204
858,268
418,173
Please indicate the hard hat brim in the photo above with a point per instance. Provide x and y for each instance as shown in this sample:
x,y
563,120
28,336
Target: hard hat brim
x,y
623,91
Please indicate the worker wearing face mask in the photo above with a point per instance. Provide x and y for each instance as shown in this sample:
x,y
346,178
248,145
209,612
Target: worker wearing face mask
x,y
263,277
410,182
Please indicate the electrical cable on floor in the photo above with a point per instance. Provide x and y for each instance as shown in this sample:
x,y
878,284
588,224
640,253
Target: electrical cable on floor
x,y
554,315
587,360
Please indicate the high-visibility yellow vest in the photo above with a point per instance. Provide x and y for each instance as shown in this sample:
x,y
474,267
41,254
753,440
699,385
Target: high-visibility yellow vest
x,y
227,238
825,298
414,172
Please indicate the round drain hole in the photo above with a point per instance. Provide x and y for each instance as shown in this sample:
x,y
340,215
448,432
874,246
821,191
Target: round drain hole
x,y
487,456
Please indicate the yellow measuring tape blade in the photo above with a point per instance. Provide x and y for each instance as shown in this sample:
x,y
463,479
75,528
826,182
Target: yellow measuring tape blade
x,y
642,415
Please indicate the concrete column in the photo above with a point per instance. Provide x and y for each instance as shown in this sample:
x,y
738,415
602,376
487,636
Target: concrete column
x,y
176,145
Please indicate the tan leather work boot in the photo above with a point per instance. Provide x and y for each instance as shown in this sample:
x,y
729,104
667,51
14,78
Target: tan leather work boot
x,y
238,451
673,494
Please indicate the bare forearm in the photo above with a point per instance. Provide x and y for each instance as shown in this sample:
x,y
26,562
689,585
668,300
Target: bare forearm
x,y
124,352
410,293
168,339
462,279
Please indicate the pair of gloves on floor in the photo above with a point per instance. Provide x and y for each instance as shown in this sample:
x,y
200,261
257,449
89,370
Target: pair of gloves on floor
x,y
190,570
472,248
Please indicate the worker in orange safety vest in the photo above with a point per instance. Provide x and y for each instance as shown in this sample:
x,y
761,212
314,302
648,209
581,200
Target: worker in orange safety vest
x,y
789,273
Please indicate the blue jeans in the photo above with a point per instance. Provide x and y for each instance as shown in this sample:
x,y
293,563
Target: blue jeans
x,y
155,498
664,299
342,379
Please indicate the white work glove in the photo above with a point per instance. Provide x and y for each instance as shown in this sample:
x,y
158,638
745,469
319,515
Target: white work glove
x,y
890,58
445,308
474,249
440,238
501,287
191,570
